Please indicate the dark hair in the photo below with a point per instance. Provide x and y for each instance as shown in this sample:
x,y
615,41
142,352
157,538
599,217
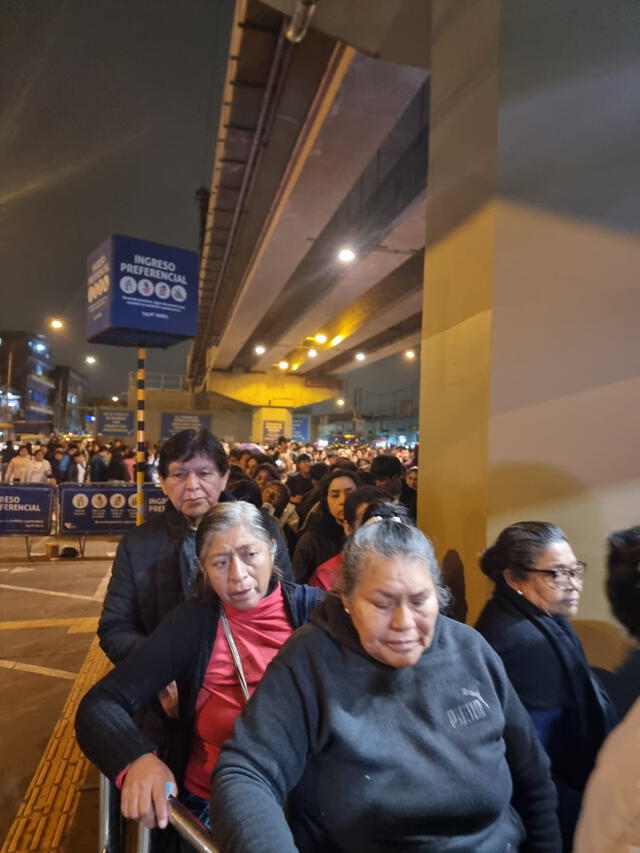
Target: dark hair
x,y
386,465
318,470
388,532
186,444
271,470
248,491
623,579
345,464
364,495
284,495
236,453
334,475
517,548
302,457
262,458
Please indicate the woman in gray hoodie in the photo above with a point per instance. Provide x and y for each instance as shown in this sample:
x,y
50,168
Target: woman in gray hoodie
x,y
385,725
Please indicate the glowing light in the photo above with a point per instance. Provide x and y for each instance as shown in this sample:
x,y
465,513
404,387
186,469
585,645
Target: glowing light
x,y
295,366
346,255
335,341
360,356
114,399
260,350
56,324
320,338
90,359
313,353
283,365
410,354
340,401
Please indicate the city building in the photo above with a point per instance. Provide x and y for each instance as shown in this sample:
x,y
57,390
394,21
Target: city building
x,y
26,381
70,406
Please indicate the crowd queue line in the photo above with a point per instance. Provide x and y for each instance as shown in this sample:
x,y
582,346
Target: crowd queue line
x,y
378,720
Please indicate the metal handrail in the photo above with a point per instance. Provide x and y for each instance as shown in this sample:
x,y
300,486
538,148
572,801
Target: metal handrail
x,y
180,818
109,818
190,828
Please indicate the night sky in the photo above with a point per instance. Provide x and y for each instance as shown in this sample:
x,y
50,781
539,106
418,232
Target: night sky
x,y
109,114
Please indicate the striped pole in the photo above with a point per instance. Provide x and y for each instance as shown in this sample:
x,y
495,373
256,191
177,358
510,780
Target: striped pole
x,y
140,454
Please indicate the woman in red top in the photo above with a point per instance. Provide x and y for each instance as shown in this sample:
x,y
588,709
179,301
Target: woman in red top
x,y
216,649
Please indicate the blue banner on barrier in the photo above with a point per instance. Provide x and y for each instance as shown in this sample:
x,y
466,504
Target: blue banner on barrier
x,y
118,422
25,509
141,293
300,428
173,422
104,508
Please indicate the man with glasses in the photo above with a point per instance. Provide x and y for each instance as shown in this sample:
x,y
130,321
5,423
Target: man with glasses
x,y
155,565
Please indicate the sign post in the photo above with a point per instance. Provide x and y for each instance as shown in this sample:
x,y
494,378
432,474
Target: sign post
x,y
140,449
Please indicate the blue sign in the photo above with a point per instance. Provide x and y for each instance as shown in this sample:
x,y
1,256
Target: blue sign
x,y
173,422
271,431
104,509
118,422
300,428
25,509
141,293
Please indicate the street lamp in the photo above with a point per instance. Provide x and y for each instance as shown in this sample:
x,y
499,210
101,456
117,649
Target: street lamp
x,y
346,255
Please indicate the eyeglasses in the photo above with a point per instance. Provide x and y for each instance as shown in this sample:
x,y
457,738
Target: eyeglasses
x,y
559,576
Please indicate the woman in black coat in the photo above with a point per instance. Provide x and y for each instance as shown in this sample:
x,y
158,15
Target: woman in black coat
x,y
323,536
538,585
212,650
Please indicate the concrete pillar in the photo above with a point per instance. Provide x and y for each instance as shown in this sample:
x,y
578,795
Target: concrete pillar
x,y
530,403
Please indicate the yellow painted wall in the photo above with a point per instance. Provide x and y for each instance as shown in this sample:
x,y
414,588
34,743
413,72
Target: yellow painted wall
x,y
565,405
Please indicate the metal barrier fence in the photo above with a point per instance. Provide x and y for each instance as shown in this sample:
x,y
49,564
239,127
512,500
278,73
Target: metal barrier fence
x,y
73,509
113,829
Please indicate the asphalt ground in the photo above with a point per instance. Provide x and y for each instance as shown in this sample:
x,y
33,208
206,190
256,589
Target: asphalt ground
x,y
48,658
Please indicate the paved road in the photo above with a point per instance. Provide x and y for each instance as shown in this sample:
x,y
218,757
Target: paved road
x,y
48,617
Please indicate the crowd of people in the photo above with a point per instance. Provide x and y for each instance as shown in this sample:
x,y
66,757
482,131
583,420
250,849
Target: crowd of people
x,y
61,460
286,663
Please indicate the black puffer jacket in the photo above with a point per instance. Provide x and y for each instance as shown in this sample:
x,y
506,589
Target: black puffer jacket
x,y
146,581
178,650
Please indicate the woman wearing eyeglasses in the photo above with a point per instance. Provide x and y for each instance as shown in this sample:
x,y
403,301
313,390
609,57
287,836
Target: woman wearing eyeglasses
x,y
538,583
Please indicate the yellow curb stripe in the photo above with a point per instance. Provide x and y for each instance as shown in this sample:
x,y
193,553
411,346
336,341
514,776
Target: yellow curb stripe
x,y
51,801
